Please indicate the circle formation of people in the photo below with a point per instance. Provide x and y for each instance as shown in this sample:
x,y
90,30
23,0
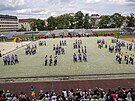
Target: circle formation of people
x,y
128,58
82,56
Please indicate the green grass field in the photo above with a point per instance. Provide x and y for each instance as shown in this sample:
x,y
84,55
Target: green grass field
x,y
100,61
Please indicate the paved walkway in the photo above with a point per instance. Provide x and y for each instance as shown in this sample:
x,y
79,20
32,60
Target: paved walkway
x,y
7,47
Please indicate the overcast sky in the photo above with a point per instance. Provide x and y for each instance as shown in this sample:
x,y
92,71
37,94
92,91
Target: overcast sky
x,y
45,8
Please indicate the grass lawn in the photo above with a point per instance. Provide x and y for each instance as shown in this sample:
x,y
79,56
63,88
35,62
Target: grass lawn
x,y
100,61
106,32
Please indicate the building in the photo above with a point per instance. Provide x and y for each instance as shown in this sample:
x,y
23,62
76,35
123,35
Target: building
x,y
25,24
8,23
46,22
95,18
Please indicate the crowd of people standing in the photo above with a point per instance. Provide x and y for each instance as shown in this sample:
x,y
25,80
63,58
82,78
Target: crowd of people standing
x,y
31,50
82,52
117,49
10,60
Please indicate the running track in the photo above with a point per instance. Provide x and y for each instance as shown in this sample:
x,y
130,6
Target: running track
x,y
58,86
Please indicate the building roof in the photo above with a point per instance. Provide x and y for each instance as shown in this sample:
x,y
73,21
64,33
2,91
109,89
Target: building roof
x,y
26,20
8,16
94,14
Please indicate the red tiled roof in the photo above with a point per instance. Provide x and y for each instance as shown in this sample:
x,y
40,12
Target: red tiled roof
x,y
26,20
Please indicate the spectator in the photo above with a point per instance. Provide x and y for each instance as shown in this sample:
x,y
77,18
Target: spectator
x,y
1,96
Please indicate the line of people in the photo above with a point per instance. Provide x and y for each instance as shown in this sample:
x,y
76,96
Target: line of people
x,y
10,60
58,50
127,58
31,50
42,43
63,43
50,59
77,44
130,46
80,58
101,43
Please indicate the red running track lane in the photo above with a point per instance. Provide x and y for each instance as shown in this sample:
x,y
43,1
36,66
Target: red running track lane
x,y
67,85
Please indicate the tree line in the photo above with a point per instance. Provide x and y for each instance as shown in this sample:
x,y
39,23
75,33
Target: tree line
x,y
80,20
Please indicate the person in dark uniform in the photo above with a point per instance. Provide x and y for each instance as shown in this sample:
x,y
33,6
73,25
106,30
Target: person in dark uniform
x,y
61,43
79,50
76,41
127,59
117,56
75,57
85,50
0,54
5,60
62,51
79,45
50,60
55,60
81,42
80,57
106,45
132,59
46,59
65,42
84,57
16,59
74,45
120,58
125,56
127,45
82,50
12,60
8,60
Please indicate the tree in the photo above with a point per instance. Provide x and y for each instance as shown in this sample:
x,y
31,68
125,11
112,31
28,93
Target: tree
x,y
104,22
21,29
116,20
131,20
71,22
65,21
79,19
52,23
37,24
87,22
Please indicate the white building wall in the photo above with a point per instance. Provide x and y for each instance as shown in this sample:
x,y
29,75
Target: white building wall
x,y
7,24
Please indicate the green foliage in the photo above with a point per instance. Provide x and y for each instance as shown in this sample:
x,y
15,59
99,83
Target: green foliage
x,y
52,22
79,20
79,17
21,29
87,22
131,20
116,20
104,22
37,24
113,21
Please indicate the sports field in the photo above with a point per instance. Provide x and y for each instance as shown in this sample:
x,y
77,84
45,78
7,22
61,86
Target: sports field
x,y
100,61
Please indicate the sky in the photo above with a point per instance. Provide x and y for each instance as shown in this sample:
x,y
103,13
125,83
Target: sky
x,y
45,8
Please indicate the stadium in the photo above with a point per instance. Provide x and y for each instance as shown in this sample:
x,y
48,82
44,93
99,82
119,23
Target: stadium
x,y
101,71
67,50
